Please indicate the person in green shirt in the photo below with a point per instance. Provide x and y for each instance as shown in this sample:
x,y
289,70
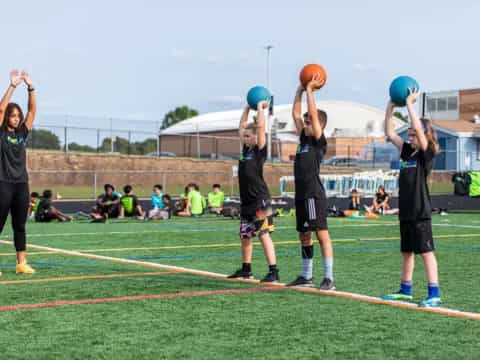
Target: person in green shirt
x,y
34,201
195,202
129,205
216,199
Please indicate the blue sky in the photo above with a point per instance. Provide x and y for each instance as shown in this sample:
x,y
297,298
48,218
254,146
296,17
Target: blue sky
x,y
139,59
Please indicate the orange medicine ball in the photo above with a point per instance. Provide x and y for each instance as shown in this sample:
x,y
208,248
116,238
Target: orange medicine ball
x,y
309,71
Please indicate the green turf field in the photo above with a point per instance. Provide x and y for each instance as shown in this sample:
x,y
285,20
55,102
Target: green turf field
x,y
197,317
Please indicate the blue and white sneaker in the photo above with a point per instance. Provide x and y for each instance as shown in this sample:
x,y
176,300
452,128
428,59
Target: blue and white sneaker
x,y
431,302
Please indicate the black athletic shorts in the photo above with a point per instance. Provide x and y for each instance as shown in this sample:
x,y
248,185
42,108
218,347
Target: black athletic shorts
x,y
311,215
416,236
43,217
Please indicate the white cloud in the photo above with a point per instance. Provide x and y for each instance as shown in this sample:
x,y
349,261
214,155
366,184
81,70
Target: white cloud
x,y
359,89
366,67
227,99
214,59
180,54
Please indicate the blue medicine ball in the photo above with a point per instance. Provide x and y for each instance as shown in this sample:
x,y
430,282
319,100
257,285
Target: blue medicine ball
x,y
257,94
399,89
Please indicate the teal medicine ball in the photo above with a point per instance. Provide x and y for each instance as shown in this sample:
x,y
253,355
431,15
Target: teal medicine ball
x,y
257,94
399,89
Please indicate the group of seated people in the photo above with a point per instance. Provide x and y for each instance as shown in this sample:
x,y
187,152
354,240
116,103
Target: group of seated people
x,y
193,203
380,203
42,210
112,204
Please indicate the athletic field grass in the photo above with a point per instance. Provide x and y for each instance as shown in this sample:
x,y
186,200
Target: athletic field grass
x,y
76,307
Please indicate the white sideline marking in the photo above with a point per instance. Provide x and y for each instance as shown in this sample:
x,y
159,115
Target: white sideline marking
x,y
7,236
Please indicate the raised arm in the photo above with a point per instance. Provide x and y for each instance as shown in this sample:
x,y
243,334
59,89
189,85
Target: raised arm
x,y
390,128
416,123
32,101
14,81
261,136
297,109
243,122
316,83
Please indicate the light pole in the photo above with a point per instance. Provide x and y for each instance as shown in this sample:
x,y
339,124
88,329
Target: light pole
x,y
111,136
268,48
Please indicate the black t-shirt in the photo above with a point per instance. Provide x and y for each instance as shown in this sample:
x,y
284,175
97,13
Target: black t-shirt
x,y
253,189
309,154
104,198
43,208
44,205
13,155
414,197
381,197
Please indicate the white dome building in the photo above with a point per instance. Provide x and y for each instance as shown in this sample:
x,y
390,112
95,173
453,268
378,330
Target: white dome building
x,y
357,123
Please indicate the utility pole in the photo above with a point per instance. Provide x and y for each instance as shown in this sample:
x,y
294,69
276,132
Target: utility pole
x,y
268,48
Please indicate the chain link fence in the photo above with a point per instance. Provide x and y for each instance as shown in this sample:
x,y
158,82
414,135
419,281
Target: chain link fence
x,y
89,184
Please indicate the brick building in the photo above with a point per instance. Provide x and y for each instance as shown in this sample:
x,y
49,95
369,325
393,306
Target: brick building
x,y
456,117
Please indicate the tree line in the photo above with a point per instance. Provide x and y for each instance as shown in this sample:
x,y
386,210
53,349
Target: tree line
x,y
48,140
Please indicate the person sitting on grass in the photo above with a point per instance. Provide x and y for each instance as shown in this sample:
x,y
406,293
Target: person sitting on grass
x,y
129,206
354,200
46,212
107,204
194,206
34,201
157,202
354,205
216,199
380,201
166,212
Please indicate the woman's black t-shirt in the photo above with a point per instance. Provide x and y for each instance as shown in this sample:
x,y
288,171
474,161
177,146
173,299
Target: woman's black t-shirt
x,y
13,155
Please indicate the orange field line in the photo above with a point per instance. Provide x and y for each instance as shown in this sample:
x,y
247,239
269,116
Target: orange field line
x,y
133,298
339,294
86,277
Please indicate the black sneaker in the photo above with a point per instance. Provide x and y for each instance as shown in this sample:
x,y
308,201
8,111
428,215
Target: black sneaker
x,y
301,281
272,276
327,284
240,273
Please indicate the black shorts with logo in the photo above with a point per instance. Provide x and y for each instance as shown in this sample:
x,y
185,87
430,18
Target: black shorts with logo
x,y
416,236
311,215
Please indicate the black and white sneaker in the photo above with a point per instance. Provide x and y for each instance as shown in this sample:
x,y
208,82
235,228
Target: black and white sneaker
x,y
272,276
240,273
327,284
301,281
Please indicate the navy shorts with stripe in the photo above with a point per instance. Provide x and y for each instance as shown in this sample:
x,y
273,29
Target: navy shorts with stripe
x,y
311,215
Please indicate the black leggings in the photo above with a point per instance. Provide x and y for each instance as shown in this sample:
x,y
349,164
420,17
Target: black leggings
x,y
15,198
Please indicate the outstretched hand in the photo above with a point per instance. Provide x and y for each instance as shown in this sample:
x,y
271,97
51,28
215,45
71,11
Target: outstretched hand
x,y
15,78
26,79
412,95
262,105
316,83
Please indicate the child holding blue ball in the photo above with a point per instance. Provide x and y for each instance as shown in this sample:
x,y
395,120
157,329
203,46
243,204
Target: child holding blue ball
x,y
415,209
256,216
